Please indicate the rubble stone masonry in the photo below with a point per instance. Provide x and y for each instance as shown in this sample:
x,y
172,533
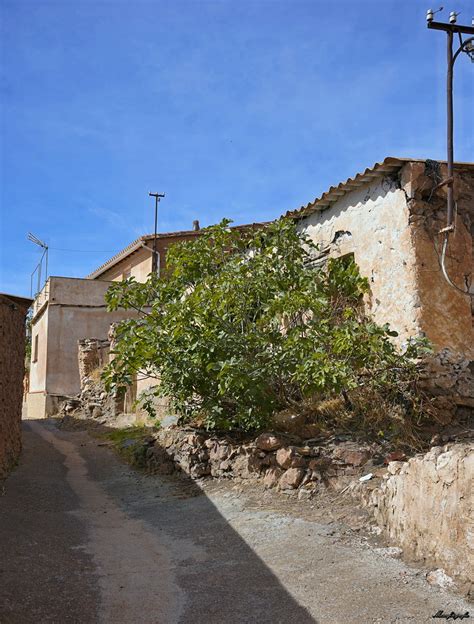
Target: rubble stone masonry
x,y
426,506
12,369
392,226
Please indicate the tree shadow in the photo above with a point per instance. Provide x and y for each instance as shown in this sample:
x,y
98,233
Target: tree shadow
x,y
221,576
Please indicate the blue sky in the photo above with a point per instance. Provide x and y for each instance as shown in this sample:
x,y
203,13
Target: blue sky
x,y
243,109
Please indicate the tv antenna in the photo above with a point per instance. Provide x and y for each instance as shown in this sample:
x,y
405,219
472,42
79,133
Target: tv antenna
x,y
38,269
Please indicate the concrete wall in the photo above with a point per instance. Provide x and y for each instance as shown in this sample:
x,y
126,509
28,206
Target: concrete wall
x,y
39,350
12,369
72,309
76,291
67,325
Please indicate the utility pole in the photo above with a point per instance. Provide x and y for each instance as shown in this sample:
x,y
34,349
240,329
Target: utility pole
x,y
154,259
467,46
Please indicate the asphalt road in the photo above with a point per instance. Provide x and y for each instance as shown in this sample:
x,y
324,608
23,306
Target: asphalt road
x,y
85,539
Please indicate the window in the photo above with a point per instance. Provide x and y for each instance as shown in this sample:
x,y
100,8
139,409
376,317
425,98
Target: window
x,y
35,349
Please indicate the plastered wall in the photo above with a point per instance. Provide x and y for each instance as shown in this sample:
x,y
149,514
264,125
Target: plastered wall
x,y
75,309
392,227
372,223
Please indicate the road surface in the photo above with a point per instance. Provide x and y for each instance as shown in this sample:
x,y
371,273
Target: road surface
x,y
85,539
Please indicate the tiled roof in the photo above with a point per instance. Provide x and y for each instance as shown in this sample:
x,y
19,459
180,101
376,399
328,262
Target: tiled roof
x,y
387,167
139,242
16,299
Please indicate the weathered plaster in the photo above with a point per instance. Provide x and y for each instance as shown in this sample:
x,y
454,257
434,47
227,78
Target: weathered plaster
x,y
392,228
138,263
372,222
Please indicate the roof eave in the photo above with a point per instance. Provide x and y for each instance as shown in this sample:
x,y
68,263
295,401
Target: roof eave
x,y
387,167
135,246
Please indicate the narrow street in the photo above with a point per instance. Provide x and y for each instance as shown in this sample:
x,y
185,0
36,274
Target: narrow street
x,y
85,539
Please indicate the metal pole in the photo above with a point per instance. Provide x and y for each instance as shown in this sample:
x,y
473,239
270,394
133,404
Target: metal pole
x,y
154,265
154,259
466,46
451,29
39,273
450,133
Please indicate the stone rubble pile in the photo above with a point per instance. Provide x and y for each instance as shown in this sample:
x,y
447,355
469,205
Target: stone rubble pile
x,y
93,401
279,460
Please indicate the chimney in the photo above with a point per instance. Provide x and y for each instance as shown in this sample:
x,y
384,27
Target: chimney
x,y
196,227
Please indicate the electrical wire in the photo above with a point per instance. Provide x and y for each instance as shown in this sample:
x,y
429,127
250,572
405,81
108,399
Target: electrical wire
x,y
86,250
443,267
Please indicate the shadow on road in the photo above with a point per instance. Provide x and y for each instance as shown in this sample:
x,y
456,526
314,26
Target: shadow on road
x,y
218,575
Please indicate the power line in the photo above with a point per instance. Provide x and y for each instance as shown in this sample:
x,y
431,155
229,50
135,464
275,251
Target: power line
x,y
86,250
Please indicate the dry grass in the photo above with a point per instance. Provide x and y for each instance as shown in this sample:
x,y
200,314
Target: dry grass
x,y
96,375
368,415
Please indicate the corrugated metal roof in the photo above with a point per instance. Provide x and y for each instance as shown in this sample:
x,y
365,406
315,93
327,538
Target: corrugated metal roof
x,y
387,167
139,243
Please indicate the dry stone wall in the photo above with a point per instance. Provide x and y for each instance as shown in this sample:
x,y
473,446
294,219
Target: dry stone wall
x,y
449,379
279,460
12,371
93,354
426,507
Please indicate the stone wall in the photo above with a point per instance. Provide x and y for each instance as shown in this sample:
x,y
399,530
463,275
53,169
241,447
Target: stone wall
x,y
445,313
12,370
93,354
448,378
282,461
93,401
426,506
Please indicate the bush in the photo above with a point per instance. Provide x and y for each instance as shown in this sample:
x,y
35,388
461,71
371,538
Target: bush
x,y
242,326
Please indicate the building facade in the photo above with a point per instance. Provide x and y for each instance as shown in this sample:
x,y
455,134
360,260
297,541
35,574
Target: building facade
x,y
66,310
390,218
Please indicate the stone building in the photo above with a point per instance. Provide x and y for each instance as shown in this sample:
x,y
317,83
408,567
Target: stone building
x,y
13,312
389,218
